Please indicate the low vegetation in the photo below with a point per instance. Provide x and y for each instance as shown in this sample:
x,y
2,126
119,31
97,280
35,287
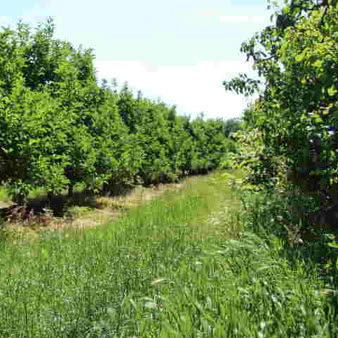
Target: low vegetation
x,y
188,263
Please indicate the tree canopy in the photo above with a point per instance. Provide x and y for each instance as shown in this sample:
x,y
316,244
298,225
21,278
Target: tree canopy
x,y
296,58
60,127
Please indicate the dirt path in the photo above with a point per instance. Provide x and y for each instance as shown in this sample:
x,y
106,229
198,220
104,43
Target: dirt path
x,y
82,217
4,205
112,207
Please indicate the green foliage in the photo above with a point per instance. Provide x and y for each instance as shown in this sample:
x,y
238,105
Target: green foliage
x,y
233,125
59,127
296,112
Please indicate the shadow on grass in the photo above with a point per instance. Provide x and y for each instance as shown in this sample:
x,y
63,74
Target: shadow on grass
x,y
58,205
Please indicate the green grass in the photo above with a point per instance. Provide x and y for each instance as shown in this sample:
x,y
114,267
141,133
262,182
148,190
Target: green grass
x,y
179,266
4,195
35,193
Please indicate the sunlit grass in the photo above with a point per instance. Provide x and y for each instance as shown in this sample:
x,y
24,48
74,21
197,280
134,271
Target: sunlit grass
x,y
178,266
4,195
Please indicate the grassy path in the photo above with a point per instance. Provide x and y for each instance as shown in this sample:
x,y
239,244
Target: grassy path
x,y
111,281
167,269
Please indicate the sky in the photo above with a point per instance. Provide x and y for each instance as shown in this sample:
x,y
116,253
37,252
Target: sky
x,y
178,51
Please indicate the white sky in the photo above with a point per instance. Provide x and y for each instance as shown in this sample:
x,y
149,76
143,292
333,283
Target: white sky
x,y
179,51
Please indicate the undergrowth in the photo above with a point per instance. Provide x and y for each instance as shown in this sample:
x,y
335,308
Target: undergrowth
x,y
190,263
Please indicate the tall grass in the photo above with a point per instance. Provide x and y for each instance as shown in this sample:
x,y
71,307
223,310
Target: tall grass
x,y
160,271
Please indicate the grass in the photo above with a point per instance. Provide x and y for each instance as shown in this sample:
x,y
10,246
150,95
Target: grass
x,y
35,193
83,210
4,195
186,264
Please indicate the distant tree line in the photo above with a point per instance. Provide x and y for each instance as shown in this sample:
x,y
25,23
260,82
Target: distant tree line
x,y
60,127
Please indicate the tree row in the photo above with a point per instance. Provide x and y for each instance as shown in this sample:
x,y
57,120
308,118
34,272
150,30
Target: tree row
x,y
59,127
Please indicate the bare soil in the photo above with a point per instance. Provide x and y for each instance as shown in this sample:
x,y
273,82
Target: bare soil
x,y
96,213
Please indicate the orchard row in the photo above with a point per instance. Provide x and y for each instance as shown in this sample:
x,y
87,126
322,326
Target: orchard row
x,y
60,127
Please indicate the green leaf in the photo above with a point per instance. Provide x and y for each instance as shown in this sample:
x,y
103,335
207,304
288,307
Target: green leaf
x,y
332,90
299,57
